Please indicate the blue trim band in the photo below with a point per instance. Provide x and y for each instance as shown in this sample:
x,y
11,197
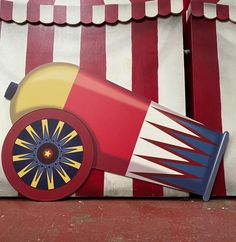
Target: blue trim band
x,y
216,166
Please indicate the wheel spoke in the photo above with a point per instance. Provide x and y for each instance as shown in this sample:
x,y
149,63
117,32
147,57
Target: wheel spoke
x,y
26,169
50,179
71,163
21,157
74,149
58,130
45,129
68,137
37,178
24,144
62,174
32,133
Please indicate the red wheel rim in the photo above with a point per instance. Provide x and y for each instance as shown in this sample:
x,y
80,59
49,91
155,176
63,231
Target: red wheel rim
x,y
61,181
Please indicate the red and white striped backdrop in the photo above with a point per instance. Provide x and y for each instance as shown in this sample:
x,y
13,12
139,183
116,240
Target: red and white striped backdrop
x,y
144,56
213,79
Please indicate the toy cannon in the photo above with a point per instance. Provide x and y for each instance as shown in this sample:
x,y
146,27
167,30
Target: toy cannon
x,y
67,122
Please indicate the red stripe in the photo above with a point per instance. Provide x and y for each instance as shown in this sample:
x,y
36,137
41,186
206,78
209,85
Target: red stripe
x,y
86,10
138,10
6,10
145,81
206,83
197,8
144,58
164,7
111,13
40,46
40,40
33,11
60,14
222,12
93,60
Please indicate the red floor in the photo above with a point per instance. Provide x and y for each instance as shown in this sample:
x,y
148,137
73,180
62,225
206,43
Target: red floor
x,y
118,220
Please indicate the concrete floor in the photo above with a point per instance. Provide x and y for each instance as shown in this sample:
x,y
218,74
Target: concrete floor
x,y
118,220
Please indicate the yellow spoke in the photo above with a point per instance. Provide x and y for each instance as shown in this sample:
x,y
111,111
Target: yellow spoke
x,y
26,170
72,163
74,149
69,137
21,157
36,178
32,132
50,180
23,143
63,175
58,129
45,127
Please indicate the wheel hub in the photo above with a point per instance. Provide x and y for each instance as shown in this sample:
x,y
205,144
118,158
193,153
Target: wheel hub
x,y
47,153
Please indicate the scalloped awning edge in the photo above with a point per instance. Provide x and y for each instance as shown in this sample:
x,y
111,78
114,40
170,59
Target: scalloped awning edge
x,y
21,12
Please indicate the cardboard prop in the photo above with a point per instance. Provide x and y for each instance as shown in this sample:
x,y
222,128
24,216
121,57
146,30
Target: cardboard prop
x,y
84,123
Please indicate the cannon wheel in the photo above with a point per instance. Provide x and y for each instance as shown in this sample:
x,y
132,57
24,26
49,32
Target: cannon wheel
x,y
48,154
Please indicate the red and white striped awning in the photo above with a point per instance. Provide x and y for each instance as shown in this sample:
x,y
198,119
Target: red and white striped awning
x,y
72,12
220,12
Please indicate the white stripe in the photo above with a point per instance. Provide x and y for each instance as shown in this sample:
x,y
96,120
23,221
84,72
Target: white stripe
x,y
119,55
124,12
98,14
129,174
20,11
171,60
46,14
138,164
13,44
176,6
168,192
209,10
67,41
232,14
159,118
160,107
151,8
149,131
226,36
117,186
118,71
146,148
73,14
172,86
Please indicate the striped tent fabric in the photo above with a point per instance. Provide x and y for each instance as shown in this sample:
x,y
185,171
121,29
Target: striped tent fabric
x,y
135,44
212,38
